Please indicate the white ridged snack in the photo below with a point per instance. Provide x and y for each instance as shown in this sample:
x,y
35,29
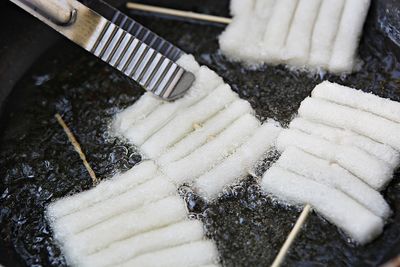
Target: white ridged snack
x,y
324,33
298,41
375,127
255,13
183,122
139,132
172,235
105,190
210,128
189,63
348,35
241,7
319,170
147,103
370,169
310,35
148,217
149,191
358,99
240,163
277,29
346,137
354,219
142,107
188,255
205,157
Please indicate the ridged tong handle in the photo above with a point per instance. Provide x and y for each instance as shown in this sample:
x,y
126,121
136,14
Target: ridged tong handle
x,y
115,43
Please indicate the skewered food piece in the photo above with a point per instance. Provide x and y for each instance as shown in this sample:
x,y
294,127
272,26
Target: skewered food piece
x,y
361,122
209,129
343,146
212,152
337,207
132,219
322,171
311,34
367,167
239,164
346,137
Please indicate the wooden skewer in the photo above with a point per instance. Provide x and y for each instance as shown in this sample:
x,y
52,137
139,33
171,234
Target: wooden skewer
x,y
292,236
178,13
77,147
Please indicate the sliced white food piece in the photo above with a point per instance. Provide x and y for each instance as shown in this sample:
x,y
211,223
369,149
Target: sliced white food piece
x,y
364,123
149,191
205,157
187,255
324,33
278,29
106,189
169,236
206,81
348,35
138,111
370,169
154,215
230,44
209,129
346,137
189,63
183,123
358,99
263,9
338,208
240,163
241,7
319,170
298,41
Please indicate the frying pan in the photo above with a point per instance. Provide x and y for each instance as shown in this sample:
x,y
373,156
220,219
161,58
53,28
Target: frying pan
x,y
42,74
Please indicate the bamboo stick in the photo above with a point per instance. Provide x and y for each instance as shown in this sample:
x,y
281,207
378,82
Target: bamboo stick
x,y
292,236
178,13
77,147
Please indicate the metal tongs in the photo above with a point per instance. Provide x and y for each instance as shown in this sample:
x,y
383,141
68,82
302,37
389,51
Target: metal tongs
x,y
118,40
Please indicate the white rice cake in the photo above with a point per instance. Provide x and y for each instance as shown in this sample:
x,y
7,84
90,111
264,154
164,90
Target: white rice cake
x,y
346,137
358,222
348,35
312,34
149,191
183,122
123,218
204,158
141,130
358,99
193,254
364,123
240,163
247,12
115,186
319,170
298,42
324,33
176,234
367,167
336,154
205,132
200,133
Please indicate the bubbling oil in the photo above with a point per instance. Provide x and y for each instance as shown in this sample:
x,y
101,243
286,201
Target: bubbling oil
x,y
39,165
